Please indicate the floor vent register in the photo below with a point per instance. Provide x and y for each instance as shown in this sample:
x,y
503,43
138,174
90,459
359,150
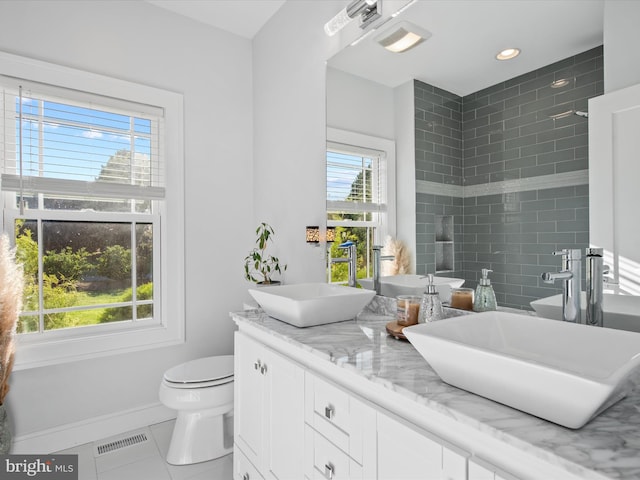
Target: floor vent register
x,y
119,444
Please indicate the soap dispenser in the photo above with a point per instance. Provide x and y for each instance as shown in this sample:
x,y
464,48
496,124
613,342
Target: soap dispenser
x,y
431,306
485,298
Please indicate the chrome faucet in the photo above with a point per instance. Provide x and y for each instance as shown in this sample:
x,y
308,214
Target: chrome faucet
x,y
571,274
595,284
377,258
350,247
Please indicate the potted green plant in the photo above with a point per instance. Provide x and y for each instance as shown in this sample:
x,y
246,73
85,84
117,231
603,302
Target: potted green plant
x,y
259,266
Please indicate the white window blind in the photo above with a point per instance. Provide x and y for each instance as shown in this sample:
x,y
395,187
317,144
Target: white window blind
x,y
84,146
354,179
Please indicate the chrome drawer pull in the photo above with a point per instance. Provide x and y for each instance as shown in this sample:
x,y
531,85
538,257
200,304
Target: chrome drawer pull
x,y
329,411
256,366
263,369
245,476
329,470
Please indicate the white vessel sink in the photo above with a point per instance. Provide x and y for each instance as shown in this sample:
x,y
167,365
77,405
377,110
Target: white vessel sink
x,y
308,304
619,311
563,372
394,285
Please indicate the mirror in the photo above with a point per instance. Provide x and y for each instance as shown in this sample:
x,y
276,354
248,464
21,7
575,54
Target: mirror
x,y
497,148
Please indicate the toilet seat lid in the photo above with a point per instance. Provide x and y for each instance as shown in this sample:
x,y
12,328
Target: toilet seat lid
x,y
201,370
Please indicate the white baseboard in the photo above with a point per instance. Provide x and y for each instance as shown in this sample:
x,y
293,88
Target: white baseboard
x,y
87,431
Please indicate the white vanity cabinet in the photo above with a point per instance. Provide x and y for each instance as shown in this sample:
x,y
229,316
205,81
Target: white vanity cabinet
x,y
340,433
243,469
404,454
479,470
325,403
291,423
407,453
269,415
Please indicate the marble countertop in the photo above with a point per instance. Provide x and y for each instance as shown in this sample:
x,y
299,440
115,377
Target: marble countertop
x,y
607,447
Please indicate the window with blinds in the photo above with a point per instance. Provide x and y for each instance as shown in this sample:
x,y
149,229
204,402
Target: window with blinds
x,y
355,187
82,181
92,193
356,204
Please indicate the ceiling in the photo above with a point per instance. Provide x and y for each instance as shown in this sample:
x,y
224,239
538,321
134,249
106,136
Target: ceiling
x,y
242,17
466,35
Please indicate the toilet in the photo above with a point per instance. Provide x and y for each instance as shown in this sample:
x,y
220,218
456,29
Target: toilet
x,y
202,392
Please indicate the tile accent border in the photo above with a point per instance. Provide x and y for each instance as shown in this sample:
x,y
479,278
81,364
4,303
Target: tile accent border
x,y
434,188
541,182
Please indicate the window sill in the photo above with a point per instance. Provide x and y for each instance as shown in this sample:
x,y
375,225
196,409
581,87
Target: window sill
x,y
32,353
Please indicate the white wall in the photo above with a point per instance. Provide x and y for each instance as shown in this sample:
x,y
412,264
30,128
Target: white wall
x,y
359,105
621,39
404,117
139,42
289,59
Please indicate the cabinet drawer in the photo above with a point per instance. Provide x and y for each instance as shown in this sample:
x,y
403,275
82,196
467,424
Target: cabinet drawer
x,y
346,421
336,415
243,469
329,462
332,405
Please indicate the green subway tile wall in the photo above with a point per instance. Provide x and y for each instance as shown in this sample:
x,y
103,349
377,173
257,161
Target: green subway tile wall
x,y
508,133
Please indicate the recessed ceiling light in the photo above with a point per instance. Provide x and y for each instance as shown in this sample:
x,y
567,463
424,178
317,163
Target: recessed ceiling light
x,y
402,37
508,54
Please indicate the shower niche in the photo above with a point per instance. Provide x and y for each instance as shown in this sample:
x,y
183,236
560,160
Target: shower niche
x,y
444,243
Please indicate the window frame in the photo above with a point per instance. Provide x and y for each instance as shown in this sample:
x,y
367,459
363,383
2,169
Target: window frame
x,y
384,220
168,326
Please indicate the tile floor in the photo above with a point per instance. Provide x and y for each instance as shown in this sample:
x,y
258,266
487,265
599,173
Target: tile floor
x,y
145,461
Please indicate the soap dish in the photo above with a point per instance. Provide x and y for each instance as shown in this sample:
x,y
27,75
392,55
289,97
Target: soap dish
x,y
395,330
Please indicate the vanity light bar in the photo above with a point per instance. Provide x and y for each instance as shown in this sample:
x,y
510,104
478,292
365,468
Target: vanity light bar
x,y
402,9
384,22
366,8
